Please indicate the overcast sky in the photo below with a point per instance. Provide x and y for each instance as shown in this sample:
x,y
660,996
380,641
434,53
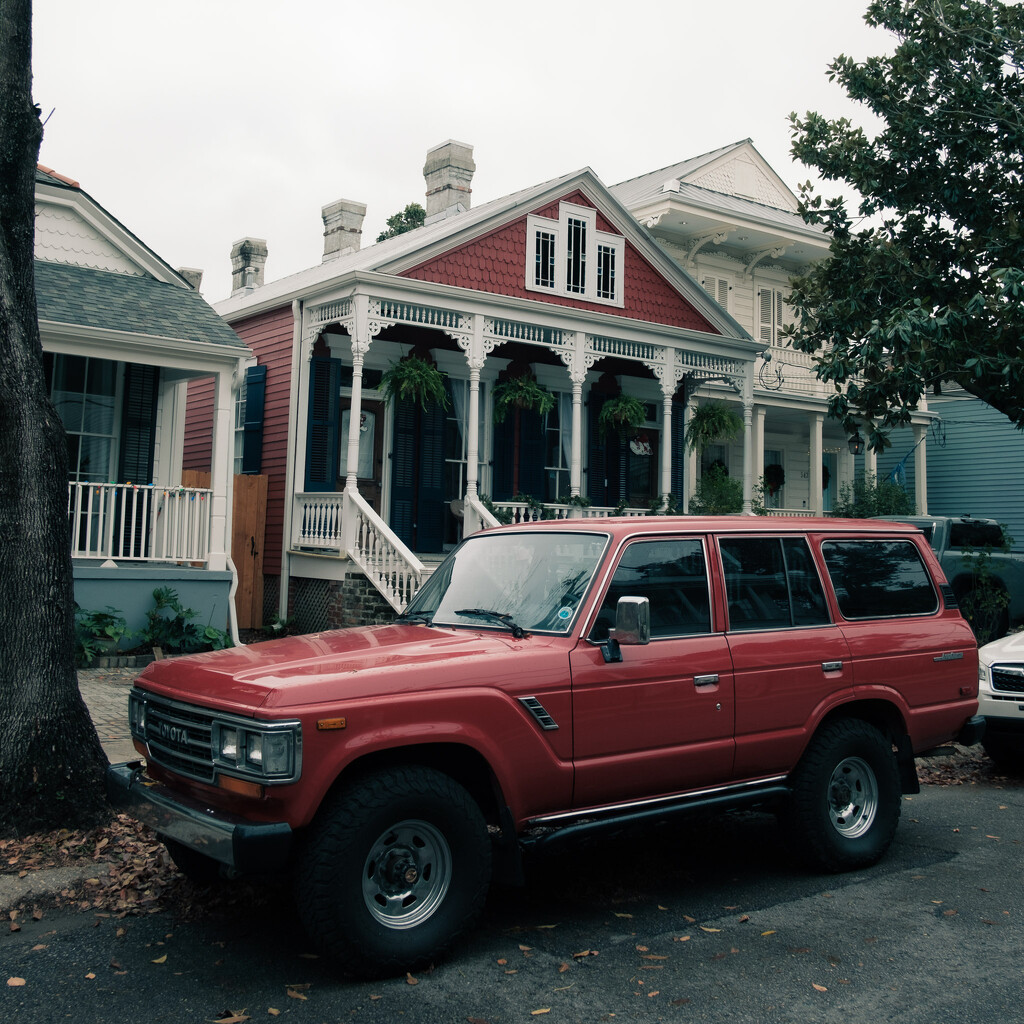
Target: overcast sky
x,y
200,122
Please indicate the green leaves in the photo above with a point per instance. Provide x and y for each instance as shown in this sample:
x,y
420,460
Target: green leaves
x,y
930,291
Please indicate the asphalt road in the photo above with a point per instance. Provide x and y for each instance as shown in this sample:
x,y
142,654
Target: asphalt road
x,y
712,922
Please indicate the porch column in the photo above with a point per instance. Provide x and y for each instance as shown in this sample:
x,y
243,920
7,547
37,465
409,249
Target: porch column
x,y
221,464
816,504
359,329
759,415
472,345
666,444
870,464
748,440
576,465
690,477
920,468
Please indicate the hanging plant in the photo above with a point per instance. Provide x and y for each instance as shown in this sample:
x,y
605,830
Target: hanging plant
x,y
774,478
621,415
416,380
522,393
711,422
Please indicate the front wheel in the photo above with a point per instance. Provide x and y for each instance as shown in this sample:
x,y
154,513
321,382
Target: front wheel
x,y
846,797
396,867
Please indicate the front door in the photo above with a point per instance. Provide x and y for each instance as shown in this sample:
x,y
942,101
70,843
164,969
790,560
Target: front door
x,y
661,720
418,476
371,449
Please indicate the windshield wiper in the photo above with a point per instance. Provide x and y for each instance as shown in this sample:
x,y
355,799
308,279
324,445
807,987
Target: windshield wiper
x,y
503,618
425,619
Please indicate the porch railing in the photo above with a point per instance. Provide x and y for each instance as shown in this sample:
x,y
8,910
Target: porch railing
x,y
139,523
523,512
389,565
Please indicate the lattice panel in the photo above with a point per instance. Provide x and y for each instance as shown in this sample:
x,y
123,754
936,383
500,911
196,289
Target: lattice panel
x,y
311,602
271,595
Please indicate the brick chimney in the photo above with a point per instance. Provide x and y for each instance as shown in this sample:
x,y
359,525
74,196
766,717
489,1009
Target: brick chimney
x,y
343,228
248,256
448,173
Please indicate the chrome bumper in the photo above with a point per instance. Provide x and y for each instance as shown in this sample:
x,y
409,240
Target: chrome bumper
x,y
243,845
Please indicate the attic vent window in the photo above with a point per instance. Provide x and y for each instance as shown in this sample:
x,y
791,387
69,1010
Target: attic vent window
x,y
569,256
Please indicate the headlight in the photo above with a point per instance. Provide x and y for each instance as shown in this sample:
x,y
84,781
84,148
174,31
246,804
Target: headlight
x,y
982,674
265,752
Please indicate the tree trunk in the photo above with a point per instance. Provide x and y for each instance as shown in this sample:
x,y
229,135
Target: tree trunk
x,y
51,761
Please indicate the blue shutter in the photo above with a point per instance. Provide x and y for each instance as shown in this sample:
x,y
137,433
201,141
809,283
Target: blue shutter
x,y
597,469
501,471
138,423
322,424
678,441
252,439
531,455
430,497
403,471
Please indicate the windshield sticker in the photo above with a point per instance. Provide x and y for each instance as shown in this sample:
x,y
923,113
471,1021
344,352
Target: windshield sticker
x,y
564,613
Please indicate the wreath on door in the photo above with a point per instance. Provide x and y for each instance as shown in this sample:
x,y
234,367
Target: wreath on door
x,y
774,478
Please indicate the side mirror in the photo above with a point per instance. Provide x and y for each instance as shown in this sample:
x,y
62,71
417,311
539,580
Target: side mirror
x,y
632,626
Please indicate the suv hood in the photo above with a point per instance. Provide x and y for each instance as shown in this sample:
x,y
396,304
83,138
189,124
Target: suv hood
x,y
348,663
1007,648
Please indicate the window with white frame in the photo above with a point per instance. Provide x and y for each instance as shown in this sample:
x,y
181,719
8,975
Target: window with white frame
x,y
773,314
717,288
87,393
239,436
570,256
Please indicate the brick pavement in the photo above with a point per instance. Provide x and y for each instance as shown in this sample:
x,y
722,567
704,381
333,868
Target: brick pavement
x,y
105,692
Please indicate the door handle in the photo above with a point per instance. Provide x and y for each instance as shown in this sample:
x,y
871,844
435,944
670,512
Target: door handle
x,y
831,666
702,682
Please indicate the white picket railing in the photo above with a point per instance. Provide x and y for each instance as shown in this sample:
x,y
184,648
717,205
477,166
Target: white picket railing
x,y
523,512
388,564
318,520
139,523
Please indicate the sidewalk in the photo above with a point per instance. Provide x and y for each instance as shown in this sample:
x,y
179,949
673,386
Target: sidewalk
x,y
105,692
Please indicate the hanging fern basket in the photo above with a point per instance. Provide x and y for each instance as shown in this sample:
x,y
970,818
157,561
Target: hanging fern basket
x,y
417,380
621,415
522,393
712,422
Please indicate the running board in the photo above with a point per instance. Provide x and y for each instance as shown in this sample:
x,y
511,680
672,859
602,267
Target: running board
x,y
585,827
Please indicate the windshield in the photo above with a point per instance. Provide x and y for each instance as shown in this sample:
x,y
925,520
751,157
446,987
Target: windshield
x,y
534,580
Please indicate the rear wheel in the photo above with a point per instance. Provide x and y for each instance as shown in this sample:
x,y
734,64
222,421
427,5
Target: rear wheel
x,y
396,867
846,797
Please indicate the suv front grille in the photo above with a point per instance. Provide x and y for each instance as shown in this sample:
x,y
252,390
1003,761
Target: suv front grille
x,y
179,737
1008,678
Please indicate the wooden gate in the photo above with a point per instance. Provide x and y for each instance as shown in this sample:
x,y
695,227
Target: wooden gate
x,y
248,522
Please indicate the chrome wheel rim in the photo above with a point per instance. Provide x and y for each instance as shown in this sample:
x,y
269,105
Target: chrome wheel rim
x,y
852,797
406,874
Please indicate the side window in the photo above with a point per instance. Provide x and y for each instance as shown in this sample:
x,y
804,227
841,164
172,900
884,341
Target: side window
x,y
672,575
876,579
771,583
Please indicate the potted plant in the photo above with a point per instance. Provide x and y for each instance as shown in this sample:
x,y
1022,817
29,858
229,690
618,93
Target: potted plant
x,y
711,422
621,415
521,393
414,379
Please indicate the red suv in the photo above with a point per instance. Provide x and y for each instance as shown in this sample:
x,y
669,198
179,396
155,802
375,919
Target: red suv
x,y
550,681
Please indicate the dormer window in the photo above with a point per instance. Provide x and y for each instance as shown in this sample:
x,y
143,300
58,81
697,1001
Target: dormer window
x,y
569,256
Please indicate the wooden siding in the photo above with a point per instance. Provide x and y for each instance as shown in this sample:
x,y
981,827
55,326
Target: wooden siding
x,y
269,335
976,466
496,263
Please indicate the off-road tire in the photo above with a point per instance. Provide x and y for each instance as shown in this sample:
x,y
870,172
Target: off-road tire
x,y
846,797
395,868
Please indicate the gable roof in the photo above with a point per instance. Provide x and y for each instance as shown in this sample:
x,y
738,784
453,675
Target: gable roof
x,y
83,297
403,253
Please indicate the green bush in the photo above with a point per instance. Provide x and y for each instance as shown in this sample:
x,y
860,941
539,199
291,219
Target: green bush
x,y
169,626
96,632
716,494
869,497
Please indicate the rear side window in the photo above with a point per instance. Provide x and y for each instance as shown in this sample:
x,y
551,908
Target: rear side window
x,y
771,583
877,579
672,575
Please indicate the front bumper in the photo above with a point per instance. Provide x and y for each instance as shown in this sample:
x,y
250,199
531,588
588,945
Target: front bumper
x,y
246,846
972,732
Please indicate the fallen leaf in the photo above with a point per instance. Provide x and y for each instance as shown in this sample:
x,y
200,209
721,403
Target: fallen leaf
x,y
948,913
641,949
294,994
15,982
991,837
705,929
818,988
233,1018
409,979
654,956
537,1013
680,1002
660,907
651,995
692,920
90,976
681,938
502,962
526,949
771,931
277,1013
160,959
744,919
41,945
617,914
546,927
562,968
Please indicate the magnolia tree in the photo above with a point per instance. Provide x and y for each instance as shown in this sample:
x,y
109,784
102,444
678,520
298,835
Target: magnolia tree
x,y
925,285
51,762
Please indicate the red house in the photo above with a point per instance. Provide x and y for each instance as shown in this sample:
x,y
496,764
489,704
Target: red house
x,y
553,291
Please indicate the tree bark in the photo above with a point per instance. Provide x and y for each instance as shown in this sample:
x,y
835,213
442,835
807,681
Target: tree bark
x,y
51,762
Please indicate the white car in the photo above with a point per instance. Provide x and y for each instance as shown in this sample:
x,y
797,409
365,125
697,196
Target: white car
x,y
1001,700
